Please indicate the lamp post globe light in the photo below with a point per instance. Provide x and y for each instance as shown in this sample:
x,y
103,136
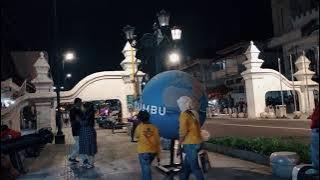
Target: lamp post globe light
x,y
174,58
69,56
156,43
176,33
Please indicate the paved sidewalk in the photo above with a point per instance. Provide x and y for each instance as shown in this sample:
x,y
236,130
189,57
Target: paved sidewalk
x,y
117,160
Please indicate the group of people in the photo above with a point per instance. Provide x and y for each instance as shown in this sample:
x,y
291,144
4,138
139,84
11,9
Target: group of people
x,y
84,133
189,139
148,147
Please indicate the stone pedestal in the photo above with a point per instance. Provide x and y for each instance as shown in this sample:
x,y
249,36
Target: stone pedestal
x,y
281,111
44,114
297,115
282,163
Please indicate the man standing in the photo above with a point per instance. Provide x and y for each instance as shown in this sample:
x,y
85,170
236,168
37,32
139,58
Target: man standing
x,y
315,139
75,117
135,122
190,138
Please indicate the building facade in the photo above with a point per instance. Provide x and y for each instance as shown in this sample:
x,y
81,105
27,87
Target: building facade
x,y
200,69
296,30
221,75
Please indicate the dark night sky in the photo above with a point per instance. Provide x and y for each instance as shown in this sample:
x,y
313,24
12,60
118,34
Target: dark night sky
x,y
93,29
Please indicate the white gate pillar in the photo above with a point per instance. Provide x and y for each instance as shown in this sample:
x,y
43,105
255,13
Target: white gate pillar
x,y
44,95
254,82
307,86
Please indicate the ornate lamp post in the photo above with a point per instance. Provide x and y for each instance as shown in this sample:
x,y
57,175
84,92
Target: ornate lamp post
x,y
68,57
162,32
162,37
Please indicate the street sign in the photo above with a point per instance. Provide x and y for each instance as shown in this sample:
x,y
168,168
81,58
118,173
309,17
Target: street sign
x,y
130,102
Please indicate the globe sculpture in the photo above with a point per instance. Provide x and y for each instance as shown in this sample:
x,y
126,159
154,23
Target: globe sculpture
x,y
160,96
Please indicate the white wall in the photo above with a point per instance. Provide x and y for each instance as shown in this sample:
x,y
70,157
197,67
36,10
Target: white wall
x,y
259,81
102,86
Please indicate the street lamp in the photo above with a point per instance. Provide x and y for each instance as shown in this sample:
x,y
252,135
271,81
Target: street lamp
x,y
163,18
66,57
176,33
162,33
69,56
155,43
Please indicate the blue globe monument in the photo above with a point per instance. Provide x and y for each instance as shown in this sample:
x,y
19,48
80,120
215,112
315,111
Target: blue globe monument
x,y
160,96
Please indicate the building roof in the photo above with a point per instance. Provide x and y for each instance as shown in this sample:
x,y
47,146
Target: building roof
x,y
237,49
19,66
232,48
24,61
193,62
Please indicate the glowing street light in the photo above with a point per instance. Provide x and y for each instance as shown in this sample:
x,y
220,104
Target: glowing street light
x,y
174,58
61,87
69,56
176,33
69,75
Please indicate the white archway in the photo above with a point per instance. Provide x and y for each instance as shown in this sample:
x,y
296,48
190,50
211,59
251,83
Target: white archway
x,y
109,84
259,81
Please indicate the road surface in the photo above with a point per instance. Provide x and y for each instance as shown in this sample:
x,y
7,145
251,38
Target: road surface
x,y
259,128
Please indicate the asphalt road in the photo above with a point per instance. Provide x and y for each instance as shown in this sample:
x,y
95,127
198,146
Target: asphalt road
x,y
259,128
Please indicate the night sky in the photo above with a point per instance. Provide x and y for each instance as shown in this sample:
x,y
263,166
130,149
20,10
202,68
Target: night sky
x,y
93,29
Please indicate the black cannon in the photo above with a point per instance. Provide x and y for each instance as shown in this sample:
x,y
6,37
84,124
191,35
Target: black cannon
x,y
32,143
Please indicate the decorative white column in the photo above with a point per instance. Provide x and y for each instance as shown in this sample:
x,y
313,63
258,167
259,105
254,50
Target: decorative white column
x,y
129,53
255,102
44,95
130,65
307,85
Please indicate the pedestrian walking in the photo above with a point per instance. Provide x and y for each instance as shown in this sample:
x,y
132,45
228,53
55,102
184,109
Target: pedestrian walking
x,y
148,144
135,122
76,114
87,137
315,140
189,139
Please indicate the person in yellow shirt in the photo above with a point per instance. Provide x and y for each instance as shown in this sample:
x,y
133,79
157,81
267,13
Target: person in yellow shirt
x,y
189,138
148,144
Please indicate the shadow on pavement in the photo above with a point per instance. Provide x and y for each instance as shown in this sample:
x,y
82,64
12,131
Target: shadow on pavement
x,y
80,172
